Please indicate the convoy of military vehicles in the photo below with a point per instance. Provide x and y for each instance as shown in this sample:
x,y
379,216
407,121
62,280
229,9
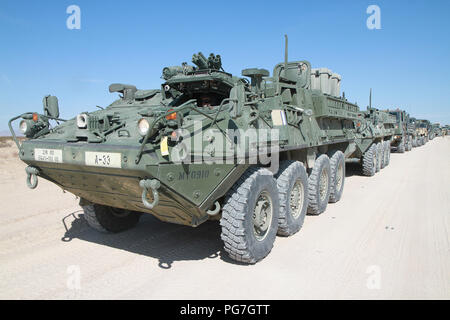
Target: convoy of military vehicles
x,y
256,154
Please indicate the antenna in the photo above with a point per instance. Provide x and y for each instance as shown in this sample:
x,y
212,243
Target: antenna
x,y
285,52
370,98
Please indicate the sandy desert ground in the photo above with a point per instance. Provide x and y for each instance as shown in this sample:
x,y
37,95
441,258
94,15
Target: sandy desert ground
x,y
388,238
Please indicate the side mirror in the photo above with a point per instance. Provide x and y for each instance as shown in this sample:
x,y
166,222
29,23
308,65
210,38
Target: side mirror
x,y
51,107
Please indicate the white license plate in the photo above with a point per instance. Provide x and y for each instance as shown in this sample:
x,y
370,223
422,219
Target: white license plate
x,y
103,159
48,155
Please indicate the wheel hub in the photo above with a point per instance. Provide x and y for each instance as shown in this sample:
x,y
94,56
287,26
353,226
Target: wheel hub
x,y
323,185
339,177
120,213
296,199
262,216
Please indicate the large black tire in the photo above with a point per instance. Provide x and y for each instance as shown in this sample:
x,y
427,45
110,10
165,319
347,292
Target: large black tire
x,y
239,232
383,154
319,185
292,183
107,219
337,164
401,147
378,157
408,144
369,161
387,158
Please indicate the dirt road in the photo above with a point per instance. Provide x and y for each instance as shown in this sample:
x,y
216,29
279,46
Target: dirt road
x,y
387,238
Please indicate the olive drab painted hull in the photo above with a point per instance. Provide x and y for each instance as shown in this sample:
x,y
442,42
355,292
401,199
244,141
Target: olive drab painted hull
x,y
124,156
185,189
372,126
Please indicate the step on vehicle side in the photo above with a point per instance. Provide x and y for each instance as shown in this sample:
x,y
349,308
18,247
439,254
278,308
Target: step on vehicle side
x,y
257,152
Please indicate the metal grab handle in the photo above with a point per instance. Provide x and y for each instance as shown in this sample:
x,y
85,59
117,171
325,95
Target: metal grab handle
x,y
154,186
32,179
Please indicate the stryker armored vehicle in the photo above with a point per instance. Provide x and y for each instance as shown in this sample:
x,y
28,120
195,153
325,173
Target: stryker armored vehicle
x,y
423,132
413,126
410,132
402,139
435,130
373,133
205,145
445,130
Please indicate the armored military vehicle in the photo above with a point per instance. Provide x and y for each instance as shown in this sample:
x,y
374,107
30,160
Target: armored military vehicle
x,y
402,139
413,125
373,133
446,130
423,132
205,145
435,130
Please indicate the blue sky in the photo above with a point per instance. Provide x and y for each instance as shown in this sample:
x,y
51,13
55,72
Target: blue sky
x,y
406,62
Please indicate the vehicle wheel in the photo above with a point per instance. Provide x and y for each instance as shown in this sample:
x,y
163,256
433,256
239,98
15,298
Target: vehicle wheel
x,y
401,147
387,154
378,157
319,185
250,216
109,219
409,145
383,154
337,168
292,183
369,161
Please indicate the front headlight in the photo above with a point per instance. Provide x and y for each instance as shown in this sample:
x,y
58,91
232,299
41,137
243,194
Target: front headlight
x,y
28,127
23,126
82,120
143,126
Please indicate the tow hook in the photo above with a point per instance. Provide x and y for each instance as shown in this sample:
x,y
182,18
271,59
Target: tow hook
x,y
152,185
216,209
32,179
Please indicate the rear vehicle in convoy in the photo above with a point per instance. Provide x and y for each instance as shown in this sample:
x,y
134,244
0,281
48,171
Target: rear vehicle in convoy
x,y
424,127
414,128
435,130
403,135
445,130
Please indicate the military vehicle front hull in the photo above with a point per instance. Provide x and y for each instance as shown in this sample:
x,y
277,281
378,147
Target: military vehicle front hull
x,y
119,187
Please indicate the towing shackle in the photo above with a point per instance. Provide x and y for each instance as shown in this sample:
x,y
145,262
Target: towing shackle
x,y
32,179
146,186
